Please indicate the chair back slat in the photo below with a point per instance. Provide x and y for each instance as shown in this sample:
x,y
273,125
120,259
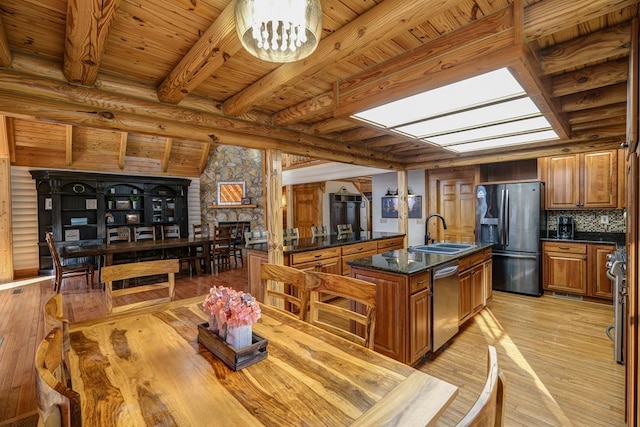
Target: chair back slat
x,y
170,232
285,287
118,234
354,291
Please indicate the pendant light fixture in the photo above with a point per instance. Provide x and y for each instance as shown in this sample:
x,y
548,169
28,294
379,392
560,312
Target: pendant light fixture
x,y
279,30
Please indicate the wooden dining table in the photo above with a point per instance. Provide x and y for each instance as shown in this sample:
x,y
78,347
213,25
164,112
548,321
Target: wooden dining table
x,y
108,251
146,367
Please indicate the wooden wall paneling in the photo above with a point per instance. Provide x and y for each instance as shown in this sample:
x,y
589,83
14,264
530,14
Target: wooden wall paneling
x,y
204,156
32,138
6,236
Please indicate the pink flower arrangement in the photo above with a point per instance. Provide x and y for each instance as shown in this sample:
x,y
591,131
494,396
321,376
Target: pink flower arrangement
x,y
230,308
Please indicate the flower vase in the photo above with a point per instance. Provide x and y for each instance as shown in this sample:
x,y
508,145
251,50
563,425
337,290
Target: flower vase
x,y
239,336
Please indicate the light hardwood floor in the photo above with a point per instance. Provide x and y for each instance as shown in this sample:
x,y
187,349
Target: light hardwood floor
x,y
556,357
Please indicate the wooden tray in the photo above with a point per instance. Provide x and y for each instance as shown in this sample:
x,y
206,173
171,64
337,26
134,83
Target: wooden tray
x,y
235,359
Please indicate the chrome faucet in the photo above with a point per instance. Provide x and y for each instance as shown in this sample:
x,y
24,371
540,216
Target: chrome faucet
x,y
444,226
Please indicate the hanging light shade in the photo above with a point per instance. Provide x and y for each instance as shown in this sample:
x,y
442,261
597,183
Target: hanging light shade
x,y
279,30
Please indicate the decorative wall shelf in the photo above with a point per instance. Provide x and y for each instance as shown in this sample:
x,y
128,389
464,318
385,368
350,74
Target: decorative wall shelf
x,y
232,206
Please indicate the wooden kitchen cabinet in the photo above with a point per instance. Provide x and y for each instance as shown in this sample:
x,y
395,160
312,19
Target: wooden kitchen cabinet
x,y
586,180
471,292
420,324
564,267
577,268
323,260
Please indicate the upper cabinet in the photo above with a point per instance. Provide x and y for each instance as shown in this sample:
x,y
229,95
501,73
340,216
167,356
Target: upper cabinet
x,y
582,181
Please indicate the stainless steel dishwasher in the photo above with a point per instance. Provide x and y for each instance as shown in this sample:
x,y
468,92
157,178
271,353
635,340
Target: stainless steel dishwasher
x,y
444,304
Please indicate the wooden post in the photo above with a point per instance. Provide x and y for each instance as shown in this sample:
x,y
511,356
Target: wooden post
x,y
6,237
403,206
273,178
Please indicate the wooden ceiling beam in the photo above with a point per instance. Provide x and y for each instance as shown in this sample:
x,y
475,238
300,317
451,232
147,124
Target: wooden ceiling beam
x,y
122,152
596,47
332,125
166,155
112,104
380,23
218,43
320,104
64,111
360,134
589,78
5,52
595,98
551,16
593,114
88,25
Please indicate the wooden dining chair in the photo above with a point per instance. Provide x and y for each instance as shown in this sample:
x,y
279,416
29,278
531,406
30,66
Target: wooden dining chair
x,y
488,409
256,236
344,228
319,231
349,290
155,270
118,234
222,247
201,230
57,403
290,292
65,271
238,243
291,233
141,234
184,255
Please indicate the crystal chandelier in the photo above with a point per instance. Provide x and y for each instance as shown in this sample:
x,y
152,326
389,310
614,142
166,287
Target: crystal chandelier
x,y
279,30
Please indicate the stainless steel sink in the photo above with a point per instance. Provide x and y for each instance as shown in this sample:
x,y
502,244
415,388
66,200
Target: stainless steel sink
x,y
443,248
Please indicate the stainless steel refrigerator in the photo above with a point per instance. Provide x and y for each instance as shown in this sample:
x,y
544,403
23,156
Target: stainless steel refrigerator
x,y
511,217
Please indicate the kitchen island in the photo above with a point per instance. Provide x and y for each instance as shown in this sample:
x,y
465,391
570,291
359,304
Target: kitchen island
x,y
404,328
329,254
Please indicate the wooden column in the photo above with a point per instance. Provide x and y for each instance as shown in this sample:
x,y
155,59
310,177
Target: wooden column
x,y
6,237
403,206
273,179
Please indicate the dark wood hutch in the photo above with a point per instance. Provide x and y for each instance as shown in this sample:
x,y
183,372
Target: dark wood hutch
x,y
78,207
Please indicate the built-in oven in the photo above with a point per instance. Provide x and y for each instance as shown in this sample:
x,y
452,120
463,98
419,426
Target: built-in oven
x,y
616,271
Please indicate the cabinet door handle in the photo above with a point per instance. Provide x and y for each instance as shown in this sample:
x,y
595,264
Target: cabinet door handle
x,y
421,282
317,255
564,248
319,265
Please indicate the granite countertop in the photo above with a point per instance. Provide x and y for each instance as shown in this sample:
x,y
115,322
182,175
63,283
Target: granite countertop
x,y
617,239
306,244
408,261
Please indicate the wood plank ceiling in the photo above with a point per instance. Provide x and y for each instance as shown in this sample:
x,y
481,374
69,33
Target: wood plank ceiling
x,y
167,80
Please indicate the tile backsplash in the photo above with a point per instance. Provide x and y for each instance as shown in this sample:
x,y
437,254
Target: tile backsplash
x,y
589,220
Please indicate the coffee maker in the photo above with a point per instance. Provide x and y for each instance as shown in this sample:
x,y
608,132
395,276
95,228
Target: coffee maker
x,y
566,227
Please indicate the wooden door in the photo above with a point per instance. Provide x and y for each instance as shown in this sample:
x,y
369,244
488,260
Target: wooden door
x,y
599,175
452,195
563,189
307,207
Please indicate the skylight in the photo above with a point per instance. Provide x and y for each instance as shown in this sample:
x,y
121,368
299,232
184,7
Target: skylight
x,y
488,111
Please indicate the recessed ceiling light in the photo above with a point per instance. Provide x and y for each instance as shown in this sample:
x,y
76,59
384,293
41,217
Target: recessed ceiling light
x,y
487,111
